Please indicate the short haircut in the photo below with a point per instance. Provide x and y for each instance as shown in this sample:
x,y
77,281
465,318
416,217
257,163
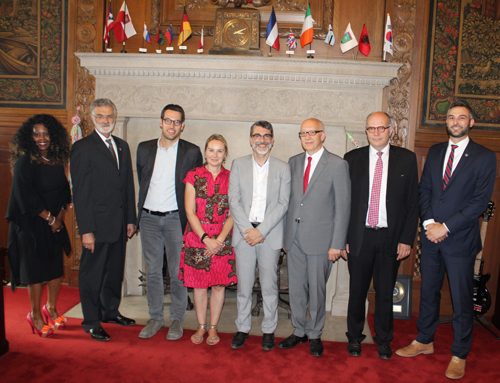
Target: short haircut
x,y
175,108
386,114
102,102
264,124
463,104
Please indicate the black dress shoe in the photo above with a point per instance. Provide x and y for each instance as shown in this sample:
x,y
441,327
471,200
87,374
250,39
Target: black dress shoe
x,y
98,333
316,346
121,320
354,348
384,350
268,341
239,339
292,341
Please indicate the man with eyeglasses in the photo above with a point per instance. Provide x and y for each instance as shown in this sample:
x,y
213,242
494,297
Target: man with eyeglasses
x,y
456,185
259,190
162,165
315,234
104,200
382,228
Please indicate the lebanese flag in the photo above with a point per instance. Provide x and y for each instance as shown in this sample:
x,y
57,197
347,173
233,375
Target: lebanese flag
x,y
185,31
110,23
124,28
306,36
364,43
272,36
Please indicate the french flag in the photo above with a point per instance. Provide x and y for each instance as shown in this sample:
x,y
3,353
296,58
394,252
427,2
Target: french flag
x,y
272,36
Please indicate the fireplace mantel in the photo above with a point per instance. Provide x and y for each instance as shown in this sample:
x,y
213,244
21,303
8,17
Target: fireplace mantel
x,y
226,94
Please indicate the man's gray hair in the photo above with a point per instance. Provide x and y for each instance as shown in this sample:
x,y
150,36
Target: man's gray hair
x,y
264,124
102,102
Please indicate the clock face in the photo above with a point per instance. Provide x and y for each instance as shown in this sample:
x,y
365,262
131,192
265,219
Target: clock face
x,y
236,33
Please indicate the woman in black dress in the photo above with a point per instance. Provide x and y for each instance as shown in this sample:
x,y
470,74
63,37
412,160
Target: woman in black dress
x,y
37,235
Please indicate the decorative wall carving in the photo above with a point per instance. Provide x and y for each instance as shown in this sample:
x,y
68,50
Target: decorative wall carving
x,y
403,27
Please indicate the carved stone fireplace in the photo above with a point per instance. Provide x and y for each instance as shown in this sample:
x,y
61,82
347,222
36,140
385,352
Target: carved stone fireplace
x,y
226,94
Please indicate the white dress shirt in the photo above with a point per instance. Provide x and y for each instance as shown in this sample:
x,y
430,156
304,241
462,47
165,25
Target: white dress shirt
x,y
314,162
115,148
260,175
382,208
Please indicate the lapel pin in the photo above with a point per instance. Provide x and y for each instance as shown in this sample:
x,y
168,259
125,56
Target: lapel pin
x,y
466,154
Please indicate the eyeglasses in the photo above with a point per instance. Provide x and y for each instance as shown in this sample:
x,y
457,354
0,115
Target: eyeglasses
x,y
101,117
168,121
380,129
258,136
311,133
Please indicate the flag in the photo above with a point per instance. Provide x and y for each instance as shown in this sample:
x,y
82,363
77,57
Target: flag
x,y
330,37
200,46
110,23
169,34
146,35
291,43
348,40
306,36
185,31
124,28
364,42
388,37
272,36
159,37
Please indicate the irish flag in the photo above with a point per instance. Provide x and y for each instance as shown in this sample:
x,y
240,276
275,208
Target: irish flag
x,y
306,36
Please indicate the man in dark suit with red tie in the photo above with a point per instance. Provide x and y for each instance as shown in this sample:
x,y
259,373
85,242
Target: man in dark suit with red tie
x,y
455,188
382,228
104,199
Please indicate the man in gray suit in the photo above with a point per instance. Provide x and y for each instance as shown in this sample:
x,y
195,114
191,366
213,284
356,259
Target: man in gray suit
x,y
315,234
259,190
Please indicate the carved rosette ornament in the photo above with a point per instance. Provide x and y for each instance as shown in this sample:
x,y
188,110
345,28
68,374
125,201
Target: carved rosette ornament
x,y
85,86
403,28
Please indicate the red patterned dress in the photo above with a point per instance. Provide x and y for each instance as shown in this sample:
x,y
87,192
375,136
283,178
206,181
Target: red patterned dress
x,y
212,209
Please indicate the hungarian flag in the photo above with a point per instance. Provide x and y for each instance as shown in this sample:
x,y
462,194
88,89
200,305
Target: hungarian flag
x,y
159,37
348,40
306,36
146,35
364,42
110,23
185,31
169,34
200,45
124,28
388,37
272,36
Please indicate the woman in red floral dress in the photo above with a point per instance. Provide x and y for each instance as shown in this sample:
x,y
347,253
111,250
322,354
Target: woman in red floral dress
x,y
207,258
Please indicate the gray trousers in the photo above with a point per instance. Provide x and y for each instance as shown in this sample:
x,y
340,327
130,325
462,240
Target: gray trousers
x,y
247,257
307,277
159,234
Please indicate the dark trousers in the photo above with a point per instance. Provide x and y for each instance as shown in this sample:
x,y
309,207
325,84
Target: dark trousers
x,y
374,260
460,270
100,281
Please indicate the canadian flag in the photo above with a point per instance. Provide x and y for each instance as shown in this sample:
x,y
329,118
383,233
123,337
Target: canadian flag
x,y
123,28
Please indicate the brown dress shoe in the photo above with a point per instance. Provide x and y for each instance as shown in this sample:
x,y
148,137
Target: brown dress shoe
x,y
456,368
415,348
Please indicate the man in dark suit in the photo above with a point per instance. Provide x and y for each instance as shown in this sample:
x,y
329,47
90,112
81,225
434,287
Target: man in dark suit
x,y
455,188
382,228
315,232
162,165
104,200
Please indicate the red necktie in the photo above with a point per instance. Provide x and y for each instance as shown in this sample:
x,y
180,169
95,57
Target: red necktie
x,y
306,174
449,166
375,196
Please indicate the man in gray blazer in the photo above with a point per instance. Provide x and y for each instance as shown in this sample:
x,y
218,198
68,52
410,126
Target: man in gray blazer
x,y
259,190
315,233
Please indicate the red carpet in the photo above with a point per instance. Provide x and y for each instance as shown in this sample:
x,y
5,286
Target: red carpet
x,y
71,356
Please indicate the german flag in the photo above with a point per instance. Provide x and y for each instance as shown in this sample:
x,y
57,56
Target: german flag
x,y
185,28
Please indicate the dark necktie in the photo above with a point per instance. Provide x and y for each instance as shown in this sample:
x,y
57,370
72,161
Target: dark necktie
x,y
110,147
306,174
375,196
449,166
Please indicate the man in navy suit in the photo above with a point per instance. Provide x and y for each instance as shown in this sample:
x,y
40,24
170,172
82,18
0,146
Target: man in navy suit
x,y
455,188
382,228
104,199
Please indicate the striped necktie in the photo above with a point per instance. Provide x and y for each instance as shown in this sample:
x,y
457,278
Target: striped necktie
x,y
449,166
375,195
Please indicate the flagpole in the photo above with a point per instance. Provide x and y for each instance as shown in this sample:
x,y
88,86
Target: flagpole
x,y
123,29
310,56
